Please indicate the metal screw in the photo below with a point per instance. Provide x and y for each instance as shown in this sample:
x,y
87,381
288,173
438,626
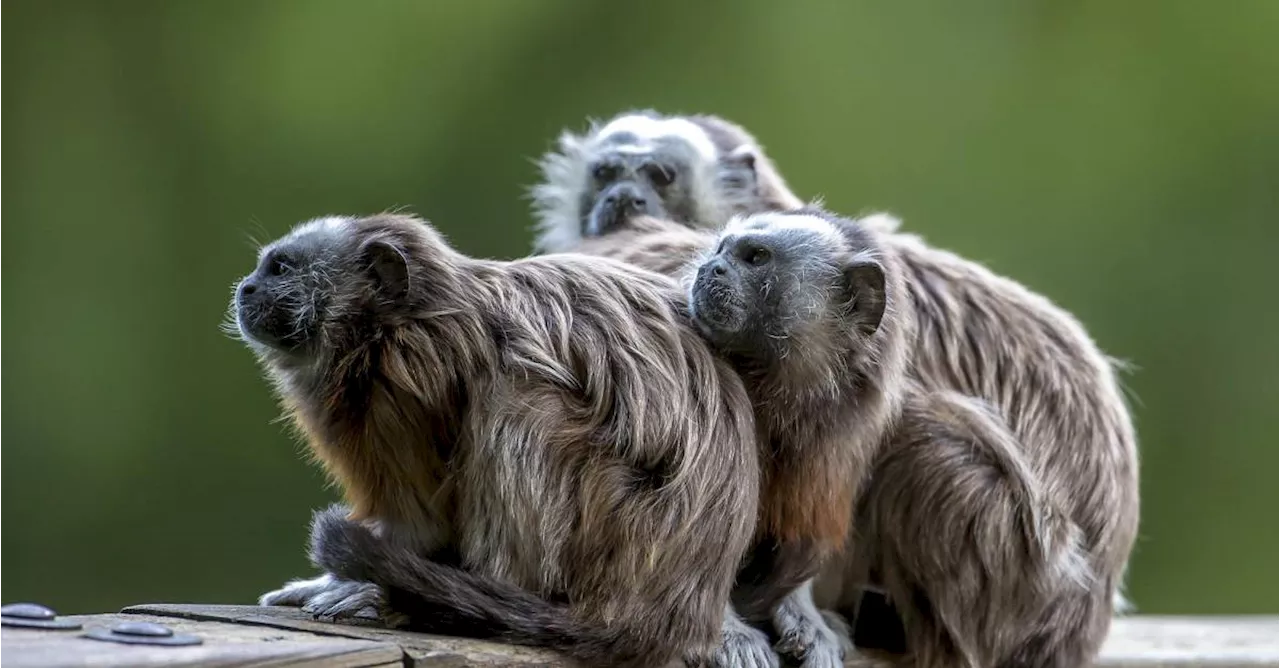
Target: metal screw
x,y
142,633
34,616
27,611
143,629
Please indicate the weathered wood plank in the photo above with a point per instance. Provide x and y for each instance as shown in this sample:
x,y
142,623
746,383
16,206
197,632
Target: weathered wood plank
x,y
1211,642
1137,642
226,644
237,635
421,648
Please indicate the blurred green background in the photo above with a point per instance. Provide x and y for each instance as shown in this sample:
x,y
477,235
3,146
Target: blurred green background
x,y
1116,156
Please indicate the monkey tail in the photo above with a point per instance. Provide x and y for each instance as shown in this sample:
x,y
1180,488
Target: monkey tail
x,y
440,598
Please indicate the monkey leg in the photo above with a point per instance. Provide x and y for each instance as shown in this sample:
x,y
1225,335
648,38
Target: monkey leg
x,y
983,569
815,639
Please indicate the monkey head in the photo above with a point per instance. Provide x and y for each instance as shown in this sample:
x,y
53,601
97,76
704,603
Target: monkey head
x,y
329,281
694,170
793,284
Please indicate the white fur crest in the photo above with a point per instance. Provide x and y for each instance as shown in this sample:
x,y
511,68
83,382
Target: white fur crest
x,y
320,225
648,130
766,223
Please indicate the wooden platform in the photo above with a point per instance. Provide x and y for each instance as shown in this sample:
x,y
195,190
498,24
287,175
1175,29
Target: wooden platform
x,y
235,635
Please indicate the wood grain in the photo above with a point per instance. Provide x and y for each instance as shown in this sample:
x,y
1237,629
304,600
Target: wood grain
x,y
226,644
246,635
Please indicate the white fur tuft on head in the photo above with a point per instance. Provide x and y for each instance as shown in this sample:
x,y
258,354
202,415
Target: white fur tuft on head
x,y
766,223
321,225
324,224
648,130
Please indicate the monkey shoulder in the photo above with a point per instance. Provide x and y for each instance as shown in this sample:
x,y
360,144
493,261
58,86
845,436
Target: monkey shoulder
x,y
604,351
604,332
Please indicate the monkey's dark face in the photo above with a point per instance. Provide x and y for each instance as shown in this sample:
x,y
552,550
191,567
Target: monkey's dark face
x,y
624,185
645,165
279,305
760,286
674,168
311,283
775,279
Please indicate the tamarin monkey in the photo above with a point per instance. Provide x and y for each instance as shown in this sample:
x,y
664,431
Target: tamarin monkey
x,y
996,491
541,451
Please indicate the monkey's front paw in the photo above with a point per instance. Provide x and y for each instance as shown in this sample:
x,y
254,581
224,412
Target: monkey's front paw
x,y
346,599
329,597
844,632
297,592
741,646
811,642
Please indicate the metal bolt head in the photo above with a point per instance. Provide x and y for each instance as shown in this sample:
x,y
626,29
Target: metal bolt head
x,y
34,616
27,611
142,633
147,629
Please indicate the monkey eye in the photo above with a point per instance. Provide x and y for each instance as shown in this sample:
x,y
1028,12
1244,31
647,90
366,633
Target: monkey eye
x,y
758,256
604,173
660,175
278,265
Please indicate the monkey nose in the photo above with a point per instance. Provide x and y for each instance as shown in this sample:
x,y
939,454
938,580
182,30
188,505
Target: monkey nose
x,y
626,200
713,269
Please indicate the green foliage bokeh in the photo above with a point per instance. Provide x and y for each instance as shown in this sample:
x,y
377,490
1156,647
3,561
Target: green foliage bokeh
x,y
1116,156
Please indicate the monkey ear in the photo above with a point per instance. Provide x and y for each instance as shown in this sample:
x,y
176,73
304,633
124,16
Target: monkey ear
x,y
744,157
389,266
738,168
863,283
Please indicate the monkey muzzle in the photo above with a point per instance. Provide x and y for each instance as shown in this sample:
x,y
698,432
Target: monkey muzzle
x,y
715,303
262,317
619,203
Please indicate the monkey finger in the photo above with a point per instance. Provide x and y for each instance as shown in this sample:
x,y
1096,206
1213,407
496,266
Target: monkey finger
x,y
297,592
744,647
808,635
822,652
840,626
813,646
345,599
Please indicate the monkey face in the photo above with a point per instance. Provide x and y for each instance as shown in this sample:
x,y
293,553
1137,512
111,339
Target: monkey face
x,y
736,295
693,170
278,305
312,283
641,164
624,185
775,279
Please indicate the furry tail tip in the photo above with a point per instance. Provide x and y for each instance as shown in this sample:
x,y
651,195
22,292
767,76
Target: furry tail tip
x,y
344,547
